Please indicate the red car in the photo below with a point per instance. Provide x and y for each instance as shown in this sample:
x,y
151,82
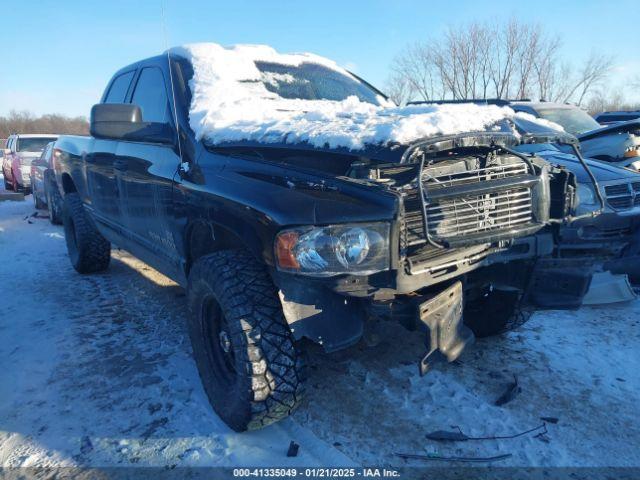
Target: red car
x,y
20,150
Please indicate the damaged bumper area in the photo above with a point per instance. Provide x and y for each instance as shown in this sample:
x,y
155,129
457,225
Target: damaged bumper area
x,y
461,200
565,259
446,334
605,245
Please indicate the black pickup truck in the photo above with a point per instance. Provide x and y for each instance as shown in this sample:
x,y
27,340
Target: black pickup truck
x,y
279,240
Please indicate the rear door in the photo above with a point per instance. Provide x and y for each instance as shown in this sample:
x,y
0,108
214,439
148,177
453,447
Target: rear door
x,y
103,181
148,170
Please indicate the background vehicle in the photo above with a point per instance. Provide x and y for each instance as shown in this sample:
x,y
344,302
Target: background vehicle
x,y
19,152
280,240
38,168
44,189
608,118
617,143
593,254
605,244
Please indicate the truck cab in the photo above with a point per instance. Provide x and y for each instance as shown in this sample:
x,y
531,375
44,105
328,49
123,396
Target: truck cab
x,y
293,202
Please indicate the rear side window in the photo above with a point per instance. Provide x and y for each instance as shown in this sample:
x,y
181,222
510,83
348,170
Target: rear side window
x,y
119,87
151,96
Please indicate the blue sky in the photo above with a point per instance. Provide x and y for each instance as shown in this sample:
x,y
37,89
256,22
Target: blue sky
x,y
58,55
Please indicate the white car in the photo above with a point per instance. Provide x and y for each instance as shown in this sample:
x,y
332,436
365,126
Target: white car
x,y
20,150
617,144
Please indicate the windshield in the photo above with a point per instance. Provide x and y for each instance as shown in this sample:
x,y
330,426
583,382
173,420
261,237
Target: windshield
x,y
310,81
36,144
573,120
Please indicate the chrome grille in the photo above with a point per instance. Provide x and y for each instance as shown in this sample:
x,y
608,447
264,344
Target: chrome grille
x,y
450,218
474,176
469,215
623,196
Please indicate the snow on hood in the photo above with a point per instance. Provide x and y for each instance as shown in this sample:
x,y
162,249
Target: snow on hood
x,y
230,102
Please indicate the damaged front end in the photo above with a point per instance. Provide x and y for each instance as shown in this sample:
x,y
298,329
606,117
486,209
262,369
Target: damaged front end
x,y
461,199
476,197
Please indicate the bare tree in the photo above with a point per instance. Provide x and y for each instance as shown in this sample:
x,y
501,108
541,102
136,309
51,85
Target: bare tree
x,y
398,89
495,60
592,73
607,100
417,70
27,122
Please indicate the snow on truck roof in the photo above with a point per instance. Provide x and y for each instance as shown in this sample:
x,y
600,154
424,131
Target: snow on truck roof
x,y
252,92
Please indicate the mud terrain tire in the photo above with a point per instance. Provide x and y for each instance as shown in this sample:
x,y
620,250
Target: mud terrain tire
x,y
89,251
249,365
497,312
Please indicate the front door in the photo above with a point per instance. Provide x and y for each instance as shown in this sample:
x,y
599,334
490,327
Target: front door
x,y
148,171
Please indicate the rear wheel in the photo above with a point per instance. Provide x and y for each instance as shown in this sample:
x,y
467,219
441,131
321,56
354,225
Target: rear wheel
x,y
88,250
248,363
495,312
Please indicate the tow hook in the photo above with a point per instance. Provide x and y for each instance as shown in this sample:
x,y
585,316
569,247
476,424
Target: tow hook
x,y
447,335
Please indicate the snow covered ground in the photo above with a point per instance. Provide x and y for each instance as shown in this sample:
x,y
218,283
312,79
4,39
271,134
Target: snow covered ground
x,y
97,371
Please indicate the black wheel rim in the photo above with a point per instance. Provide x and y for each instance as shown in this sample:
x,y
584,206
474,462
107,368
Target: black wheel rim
x,y
217,342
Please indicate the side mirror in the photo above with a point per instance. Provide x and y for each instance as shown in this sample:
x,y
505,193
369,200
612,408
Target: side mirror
x,y
123,121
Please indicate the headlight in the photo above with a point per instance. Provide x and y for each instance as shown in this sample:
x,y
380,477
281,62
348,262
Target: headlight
x,y
360,249
587,199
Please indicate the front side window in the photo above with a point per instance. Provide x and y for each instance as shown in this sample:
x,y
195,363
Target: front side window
x,y
573,120
33,144
311,81
119,87
151,96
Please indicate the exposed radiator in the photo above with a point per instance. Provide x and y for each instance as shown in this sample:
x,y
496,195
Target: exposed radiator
x,y
456,217
453,217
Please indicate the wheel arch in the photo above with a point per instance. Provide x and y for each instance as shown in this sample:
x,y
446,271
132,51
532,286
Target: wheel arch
x,y
68,185
204,237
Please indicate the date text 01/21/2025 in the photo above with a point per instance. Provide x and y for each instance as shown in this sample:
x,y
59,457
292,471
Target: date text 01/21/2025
x,y
316,472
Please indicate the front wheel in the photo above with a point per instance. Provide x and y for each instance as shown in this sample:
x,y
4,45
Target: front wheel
x,y
495,312
245,353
